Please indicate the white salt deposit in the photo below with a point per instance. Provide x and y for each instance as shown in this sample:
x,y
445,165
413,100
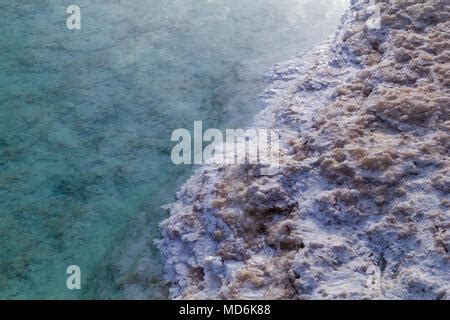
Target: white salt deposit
x,y
360,207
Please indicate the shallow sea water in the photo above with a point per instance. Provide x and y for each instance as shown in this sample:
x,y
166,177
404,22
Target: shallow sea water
x,y
86,118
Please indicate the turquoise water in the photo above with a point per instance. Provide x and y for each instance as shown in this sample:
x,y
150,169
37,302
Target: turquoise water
x,y
86,118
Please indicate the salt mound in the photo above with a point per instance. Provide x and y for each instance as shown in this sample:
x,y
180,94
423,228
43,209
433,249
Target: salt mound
x,y
360,207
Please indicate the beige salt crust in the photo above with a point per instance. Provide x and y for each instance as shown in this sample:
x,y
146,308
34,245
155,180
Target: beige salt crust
x,y
360,207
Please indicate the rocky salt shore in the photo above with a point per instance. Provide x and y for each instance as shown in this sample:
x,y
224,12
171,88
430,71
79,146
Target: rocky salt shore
x,y
360,206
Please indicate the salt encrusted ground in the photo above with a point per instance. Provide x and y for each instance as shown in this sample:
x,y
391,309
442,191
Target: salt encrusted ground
x,y
360,206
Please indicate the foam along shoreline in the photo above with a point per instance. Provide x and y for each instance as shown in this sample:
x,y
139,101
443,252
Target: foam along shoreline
x,y
359,208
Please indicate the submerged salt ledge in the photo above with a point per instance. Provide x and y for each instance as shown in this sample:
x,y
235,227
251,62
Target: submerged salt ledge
x,y
359,208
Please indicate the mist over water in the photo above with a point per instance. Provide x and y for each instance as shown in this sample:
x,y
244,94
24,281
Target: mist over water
x,y
86,118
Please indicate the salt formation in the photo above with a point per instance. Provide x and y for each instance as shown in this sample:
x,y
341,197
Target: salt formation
x,y
359,208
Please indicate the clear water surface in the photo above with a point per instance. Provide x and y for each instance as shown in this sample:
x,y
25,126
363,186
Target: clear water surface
x,y
86,118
